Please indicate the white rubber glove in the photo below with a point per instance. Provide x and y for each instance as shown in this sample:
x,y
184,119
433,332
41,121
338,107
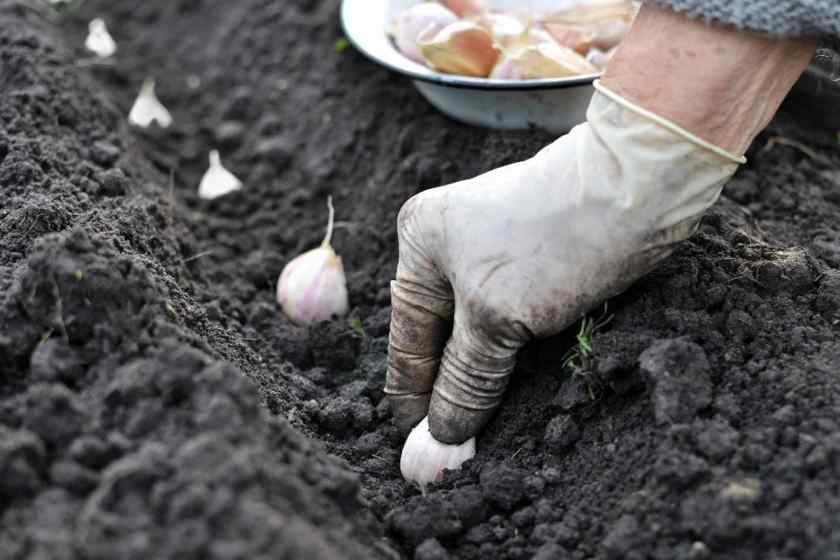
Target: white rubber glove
x,y
524,251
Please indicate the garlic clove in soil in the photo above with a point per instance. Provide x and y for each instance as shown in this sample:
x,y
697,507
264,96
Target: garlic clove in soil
x,y
464,47
217,180
148,109
424,458
99,41
428,18
313,287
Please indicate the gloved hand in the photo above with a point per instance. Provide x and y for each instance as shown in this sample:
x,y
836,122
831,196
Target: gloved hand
x,y
524,251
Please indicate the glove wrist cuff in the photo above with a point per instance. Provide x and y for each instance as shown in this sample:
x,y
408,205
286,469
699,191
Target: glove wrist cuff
x,y
740,160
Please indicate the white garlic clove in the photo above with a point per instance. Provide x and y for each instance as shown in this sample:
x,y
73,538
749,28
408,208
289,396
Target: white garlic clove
x,y
428,17
217,181
463,48
424,458
313,287
99,41
148,109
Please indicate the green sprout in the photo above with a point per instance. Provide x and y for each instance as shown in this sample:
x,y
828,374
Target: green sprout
x,y
356,324
342,45
580,360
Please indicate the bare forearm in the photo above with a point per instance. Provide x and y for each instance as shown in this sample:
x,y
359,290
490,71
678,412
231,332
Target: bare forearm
x,y
721,84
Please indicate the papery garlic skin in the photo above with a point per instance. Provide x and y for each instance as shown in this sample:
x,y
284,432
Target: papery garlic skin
x,y
425,18
424,458
217,181
464,47
99,41
148,109
313,287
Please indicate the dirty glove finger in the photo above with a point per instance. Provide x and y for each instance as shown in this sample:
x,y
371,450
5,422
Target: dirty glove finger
x,y
473,377
419,328
421,315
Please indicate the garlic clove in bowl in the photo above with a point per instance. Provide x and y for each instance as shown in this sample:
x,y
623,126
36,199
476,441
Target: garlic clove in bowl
x,y
464,47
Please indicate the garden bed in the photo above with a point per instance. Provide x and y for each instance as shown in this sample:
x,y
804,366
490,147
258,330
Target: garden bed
x,y
155,403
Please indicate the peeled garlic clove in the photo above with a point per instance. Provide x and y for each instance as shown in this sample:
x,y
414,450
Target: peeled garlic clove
x,y
217,180
463,47
99,40
429,18
464,8
424,458
148,109
312,287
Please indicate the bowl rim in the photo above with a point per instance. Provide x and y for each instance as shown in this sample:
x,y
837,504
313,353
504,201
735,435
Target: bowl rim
x,y
460,82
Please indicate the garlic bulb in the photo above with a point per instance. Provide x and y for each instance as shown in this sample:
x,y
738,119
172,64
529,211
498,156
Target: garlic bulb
x,y
463,47
217,180
148,109
99,40
312,287
425,18
424,458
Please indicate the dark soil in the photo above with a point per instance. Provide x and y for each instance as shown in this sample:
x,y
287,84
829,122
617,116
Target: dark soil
x,y
154,403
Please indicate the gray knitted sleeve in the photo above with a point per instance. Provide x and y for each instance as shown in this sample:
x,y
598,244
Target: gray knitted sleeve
x,y
790,18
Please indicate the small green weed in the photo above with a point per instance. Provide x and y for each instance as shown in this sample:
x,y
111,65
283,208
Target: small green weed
x,y
342,45
357,326
579,360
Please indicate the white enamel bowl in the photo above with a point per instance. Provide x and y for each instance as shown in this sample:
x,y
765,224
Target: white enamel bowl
x,y
556,104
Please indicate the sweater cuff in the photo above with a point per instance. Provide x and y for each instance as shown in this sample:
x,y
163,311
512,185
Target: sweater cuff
x,y
819,19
